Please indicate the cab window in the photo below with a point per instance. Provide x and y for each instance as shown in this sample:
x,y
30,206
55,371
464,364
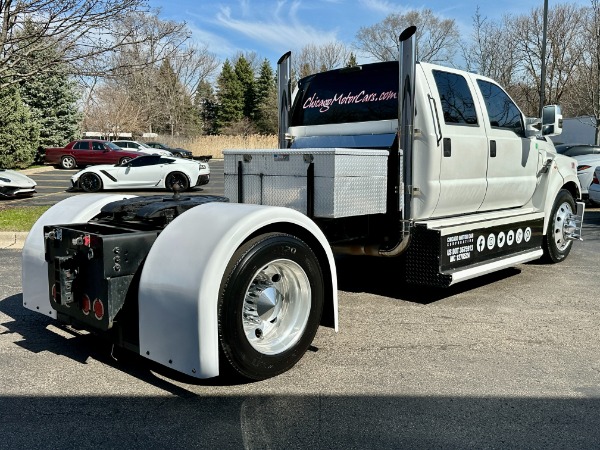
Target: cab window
x,y
456,98
502,111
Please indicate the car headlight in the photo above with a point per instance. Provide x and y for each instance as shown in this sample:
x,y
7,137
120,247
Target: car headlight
x,y
6,180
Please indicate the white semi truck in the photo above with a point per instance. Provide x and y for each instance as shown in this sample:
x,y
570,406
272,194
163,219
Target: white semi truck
x,y
433,165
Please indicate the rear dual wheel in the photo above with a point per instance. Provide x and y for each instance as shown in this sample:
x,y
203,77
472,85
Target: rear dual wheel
x,y
270,305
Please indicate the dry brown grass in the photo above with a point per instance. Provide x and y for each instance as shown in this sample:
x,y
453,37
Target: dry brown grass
x,y
214,145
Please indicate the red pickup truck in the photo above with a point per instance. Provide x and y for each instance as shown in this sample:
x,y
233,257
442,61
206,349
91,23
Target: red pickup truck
x,y
85,152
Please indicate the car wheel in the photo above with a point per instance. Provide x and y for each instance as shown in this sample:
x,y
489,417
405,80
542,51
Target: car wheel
x,y
90,182
124,160
556,245
177,178
67,162
270,305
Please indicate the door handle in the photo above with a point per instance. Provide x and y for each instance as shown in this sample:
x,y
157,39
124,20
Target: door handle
x,y
492,149
447,147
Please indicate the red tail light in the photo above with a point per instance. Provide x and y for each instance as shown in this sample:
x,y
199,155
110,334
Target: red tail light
x,y
582,167
595,179
86,305
98,309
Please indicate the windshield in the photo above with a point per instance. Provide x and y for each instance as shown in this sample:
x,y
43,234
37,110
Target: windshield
x,y
356,94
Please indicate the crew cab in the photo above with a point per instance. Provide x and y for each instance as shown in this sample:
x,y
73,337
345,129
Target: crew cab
x,y
85,152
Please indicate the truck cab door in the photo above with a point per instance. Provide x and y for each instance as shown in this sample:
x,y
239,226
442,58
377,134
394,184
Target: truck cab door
x,y
512,159
462,149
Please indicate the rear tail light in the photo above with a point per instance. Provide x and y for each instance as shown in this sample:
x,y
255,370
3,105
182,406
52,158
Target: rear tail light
x,y
582,167
595,179
98,307
86,305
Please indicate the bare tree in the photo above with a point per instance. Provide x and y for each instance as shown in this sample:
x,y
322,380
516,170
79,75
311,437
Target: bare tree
x,y
437,38
111,110
585,90
491,50
313,58
565,46
87,32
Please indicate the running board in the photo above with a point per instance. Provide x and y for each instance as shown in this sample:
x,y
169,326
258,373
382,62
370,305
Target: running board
x,y
442,253
483,269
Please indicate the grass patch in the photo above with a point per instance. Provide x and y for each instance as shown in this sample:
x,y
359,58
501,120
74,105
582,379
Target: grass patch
x,y
20,218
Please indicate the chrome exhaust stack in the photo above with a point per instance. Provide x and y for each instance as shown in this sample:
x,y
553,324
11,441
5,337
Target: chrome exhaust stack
x,y
406,117
284,96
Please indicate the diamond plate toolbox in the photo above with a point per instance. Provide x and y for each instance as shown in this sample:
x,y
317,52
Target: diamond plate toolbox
x,y
348,182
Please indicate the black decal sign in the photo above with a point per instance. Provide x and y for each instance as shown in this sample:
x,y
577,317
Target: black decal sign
x,y
478,246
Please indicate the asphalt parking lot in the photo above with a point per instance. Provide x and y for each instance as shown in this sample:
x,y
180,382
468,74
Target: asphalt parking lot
x,y
510,360
53,186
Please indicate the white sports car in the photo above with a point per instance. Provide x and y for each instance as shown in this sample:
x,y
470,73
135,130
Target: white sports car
x,y
141,147
14,184
150,171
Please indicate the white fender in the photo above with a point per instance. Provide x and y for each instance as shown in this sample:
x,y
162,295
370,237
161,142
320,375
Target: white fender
x,y
76,209
180,281
563,174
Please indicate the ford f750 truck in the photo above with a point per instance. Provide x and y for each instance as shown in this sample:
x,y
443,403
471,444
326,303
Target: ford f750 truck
x,y
399,159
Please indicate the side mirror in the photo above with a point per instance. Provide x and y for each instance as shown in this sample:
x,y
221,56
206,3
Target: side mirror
x,y
551,120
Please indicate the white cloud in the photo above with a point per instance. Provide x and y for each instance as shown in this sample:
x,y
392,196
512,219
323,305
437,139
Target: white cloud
x,y
380,6
275,29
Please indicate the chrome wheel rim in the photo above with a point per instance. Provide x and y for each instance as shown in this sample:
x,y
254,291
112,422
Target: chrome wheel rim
x,y
560,221
68,163
276,307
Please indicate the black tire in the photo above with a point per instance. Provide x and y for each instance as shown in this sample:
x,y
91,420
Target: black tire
x,y
556,246
270,306
124,160
90,182
68,162
177,177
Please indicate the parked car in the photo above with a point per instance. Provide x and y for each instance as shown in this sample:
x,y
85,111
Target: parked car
x,y
586,164
179,152
141,147
14,184
594,190
84,152
577,149
144,172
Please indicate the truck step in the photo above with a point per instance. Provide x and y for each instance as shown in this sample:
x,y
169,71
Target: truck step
x,y
442,255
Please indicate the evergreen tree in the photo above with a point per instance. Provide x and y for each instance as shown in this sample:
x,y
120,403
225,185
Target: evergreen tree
x,y
245,75
265,111
206,104
52,98
19,134
230,98
170,91
351,61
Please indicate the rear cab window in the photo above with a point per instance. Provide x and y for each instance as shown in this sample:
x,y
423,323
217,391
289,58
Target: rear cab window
x,y
357,94
457,101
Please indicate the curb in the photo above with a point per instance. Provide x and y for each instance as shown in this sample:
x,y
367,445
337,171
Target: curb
x,y
12,240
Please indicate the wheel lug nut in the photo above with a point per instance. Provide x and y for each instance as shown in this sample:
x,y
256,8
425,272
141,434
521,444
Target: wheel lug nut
x,y
258,333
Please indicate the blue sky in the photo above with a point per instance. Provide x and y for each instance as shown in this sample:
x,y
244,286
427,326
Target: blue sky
x,y
270,28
